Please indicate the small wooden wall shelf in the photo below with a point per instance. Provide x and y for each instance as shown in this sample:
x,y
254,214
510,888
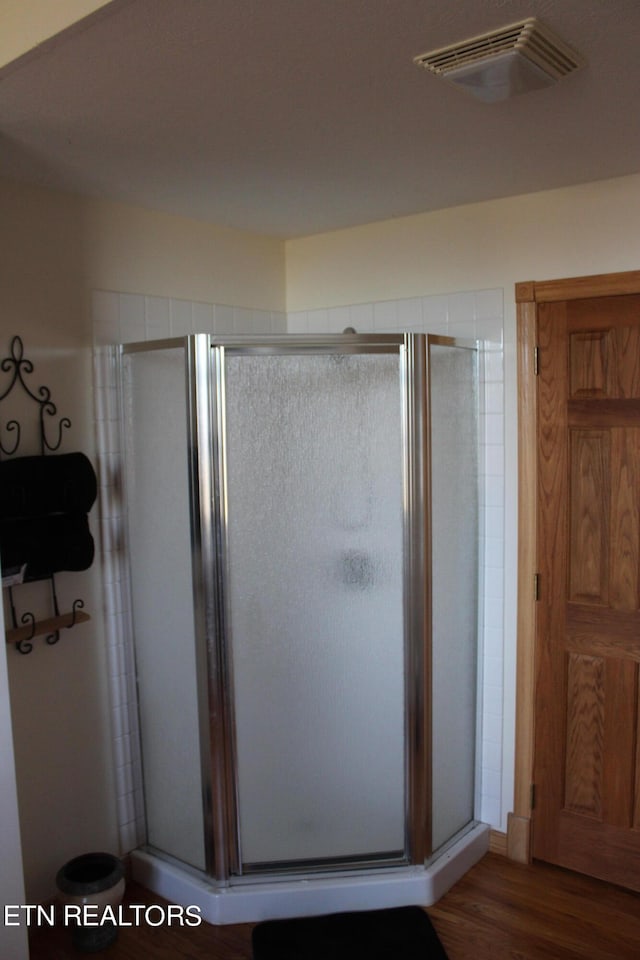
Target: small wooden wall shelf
x,y
49,626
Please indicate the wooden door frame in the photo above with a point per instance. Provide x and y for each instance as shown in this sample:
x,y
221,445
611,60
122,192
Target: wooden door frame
x,y
528,295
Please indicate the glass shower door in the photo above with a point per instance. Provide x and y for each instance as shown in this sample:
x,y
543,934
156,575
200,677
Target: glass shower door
x,y
169,668
453,427
314,521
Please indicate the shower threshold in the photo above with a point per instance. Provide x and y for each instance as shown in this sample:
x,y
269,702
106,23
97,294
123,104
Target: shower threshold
x,y
312,895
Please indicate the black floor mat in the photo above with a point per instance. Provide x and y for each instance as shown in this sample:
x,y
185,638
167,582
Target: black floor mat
x,y
401,933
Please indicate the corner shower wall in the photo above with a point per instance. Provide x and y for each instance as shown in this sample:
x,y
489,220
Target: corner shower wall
x,y
454,586
122,317
159,547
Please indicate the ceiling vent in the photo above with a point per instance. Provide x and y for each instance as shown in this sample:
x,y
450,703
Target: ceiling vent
x,y
515,59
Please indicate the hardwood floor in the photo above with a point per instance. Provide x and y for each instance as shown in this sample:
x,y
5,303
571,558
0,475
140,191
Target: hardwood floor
x,y
499,911
505,910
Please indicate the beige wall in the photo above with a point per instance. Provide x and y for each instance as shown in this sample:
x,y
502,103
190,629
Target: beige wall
x,y
133,250
54,249
60,714
580,230
576,231
28,23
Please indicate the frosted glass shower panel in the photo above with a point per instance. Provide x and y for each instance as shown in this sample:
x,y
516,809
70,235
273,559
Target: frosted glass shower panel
x,y
454,508
157,478
315,579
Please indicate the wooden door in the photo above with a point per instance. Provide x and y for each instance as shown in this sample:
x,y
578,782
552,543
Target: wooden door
x,y
586,814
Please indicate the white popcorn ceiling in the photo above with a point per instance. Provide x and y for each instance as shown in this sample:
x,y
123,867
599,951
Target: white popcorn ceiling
x,y
293,117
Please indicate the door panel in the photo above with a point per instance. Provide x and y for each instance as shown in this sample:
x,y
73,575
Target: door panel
x,y
315,613
588,638
589,465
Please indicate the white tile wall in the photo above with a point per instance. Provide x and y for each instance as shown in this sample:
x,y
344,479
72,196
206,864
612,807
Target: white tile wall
x,y
128,317
157,325
119,317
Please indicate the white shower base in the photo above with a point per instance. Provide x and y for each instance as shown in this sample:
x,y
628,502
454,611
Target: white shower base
x,y
275,899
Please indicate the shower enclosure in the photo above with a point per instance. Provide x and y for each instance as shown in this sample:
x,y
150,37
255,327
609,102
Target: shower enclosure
x,y
303,539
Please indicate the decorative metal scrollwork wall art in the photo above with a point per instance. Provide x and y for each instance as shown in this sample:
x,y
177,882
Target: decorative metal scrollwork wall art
x,y
25,627
17,366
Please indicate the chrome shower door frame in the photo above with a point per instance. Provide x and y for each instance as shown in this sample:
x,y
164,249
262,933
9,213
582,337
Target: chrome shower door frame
x,y
206,384
206,445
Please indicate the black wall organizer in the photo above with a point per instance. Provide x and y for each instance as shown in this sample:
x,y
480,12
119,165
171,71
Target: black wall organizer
x,y
44,502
